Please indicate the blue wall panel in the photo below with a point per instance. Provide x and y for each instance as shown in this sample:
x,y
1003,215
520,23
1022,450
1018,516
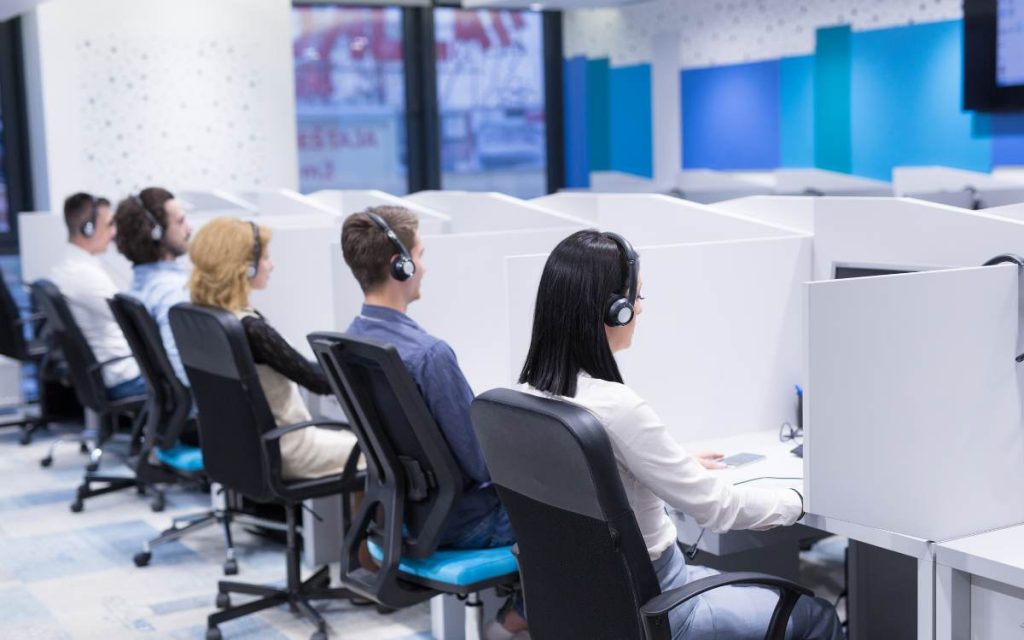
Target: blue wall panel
x,y
906,97
574,95
832,87
598,122
630,111
796,111
1008,139
731,117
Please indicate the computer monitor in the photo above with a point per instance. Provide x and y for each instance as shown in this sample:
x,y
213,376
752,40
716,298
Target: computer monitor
x,y
841,271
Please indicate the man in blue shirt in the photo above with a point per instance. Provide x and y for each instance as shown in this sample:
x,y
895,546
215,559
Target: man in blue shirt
x,y
152,233
389,285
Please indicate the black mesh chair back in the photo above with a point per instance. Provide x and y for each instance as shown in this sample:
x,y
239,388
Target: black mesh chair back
x,y
171,401
233,412
83,368
412,481
579,543
12,329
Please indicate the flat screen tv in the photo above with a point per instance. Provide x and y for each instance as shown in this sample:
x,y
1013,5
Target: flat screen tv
x,y
994,55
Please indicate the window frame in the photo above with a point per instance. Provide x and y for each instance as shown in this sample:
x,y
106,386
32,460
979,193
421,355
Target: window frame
x,y
14,112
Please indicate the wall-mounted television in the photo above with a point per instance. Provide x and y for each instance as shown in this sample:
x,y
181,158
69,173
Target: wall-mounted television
x,y
994,55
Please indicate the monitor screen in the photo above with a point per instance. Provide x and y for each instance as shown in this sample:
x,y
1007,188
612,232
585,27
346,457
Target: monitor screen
x,y
843,271
993,55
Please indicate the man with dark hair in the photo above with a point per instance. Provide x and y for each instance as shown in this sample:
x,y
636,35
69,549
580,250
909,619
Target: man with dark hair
x,y
87,286
152,233
382,247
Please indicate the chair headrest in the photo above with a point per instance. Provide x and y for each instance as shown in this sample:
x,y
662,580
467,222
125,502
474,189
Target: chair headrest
x,y
209,339
549,450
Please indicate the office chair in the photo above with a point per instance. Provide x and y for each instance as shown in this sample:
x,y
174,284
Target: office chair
x,y
14,345
162,458
87,380
583,562
412,482
240,445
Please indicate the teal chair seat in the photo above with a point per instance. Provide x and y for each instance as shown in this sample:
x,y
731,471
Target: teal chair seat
x,y
182,457
458,567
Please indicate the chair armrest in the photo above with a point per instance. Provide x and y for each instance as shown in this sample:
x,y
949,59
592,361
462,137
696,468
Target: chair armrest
x,y
275,434
655,611
100,365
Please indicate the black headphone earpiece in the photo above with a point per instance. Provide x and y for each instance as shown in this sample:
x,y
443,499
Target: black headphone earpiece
x,y
257,251
156,231
622,309
402,265
88,227
1009,258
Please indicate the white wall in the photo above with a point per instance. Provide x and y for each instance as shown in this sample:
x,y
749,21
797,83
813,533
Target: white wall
x,y
190,94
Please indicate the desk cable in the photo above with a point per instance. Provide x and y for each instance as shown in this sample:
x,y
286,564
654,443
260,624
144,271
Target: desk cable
x,y
691,552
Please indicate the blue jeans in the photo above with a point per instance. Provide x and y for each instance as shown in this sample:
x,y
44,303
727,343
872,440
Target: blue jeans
x,y
493,530
134,387
736,612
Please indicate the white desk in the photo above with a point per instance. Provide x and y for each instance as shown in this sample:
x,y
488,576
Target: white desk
x,y
780,463
979,586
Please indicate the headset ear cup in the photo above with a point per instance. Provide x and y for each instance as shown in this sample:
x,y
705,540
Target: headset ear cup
x,y
620,312
88,228
402,269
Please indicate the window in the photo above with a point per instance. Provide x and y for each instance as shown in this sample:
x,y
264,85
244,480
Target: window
x,y
350,98
490,92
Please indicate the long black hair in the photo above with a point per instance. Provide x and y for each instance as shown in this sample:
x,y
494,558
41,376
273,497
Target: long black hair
x,y
581,276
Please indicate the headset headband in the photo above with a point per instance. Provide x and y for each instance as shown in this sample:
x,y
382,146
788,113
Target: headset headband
x,y
402,268
392,236
632,262
257,250
157,230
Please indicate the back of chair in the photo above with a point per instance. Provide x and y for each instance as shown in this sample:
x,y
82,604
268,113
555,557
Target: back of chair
x,y
86,375
171,401
12,331
233,412
413,480
583,562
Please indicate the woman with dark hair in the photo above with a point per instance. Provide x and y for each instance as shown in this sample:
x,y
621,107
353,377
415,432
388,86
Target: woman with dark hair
x,y
587,309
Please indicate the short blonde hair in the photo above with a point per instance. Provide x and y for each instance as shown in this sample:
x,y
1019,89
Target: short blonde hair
x,y
221,254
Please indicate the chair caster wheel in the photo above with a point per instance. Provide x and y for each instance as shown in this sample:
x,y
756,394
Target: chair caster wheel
x,y
26,438
230,567
223,601
213,633
92,467
45,462
77,506
141,559
83,448
158,504
318,635
140,490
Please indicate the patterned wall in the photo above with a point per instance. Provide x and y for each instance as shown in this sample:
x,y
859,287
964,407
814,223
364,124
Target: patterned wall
x,y
719,32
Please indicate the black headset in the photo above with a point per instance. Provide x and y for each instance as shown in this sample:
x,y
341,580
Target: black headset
x,y
1009,258
622,309
257,251
88,227
402,265
156,231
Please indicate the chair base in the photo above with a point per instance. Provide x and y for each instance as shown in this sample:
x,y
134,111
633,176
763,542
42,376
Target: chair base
x,y
111,483
297,597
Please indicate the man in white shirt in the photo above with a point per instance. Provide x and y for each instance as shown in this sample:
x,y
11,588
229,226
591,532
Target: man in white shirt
x,y
87,286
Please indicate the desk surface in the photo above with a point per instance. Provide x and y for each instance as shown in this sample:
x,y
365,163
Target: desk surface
x,y
780,463
997,555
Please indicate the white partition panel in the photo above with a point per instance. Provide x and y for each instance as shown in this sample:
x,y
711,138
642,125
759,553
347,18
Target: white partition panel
x,y
793,212
913,417
649,219
482,212
464,296
1013,212
956,186
717,348
214,201
298,299
907,232
1011,173
830,183
619,182
42,236
276,202
347,202
705,185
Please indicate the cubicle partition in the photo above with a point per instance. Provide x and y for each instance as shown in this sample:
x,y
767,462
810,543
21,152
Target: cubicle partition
x,y
277,202
793,212
956,187
482,212
620,182
707,186
216,202
910,378
347,202
820,182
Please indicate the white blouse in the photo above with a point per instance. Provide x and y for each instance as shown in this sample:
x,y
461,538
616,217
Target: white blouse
x,y
656,470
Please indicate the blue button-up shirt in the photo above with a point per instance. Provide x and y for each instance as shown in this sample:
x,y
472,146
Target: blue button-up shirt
x,y
160,286
435,369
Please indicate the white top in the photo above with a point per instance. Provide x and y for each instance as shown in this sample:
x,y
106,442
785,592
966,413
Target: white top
x,y
87,286
656,470
997,555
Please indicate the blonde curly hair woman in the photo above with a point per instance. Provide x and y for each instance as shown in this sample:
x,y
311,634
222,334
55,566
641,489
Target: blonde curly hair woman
x,y
231,258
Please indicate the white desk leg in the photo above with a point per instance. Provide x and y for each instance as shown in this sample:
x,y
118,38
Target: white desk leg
x,y
926,598
952,604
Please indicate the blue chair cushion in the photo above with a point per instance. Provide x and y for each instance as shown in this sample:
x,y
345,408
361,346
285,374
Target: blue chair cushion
x,y
182,457
457,567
